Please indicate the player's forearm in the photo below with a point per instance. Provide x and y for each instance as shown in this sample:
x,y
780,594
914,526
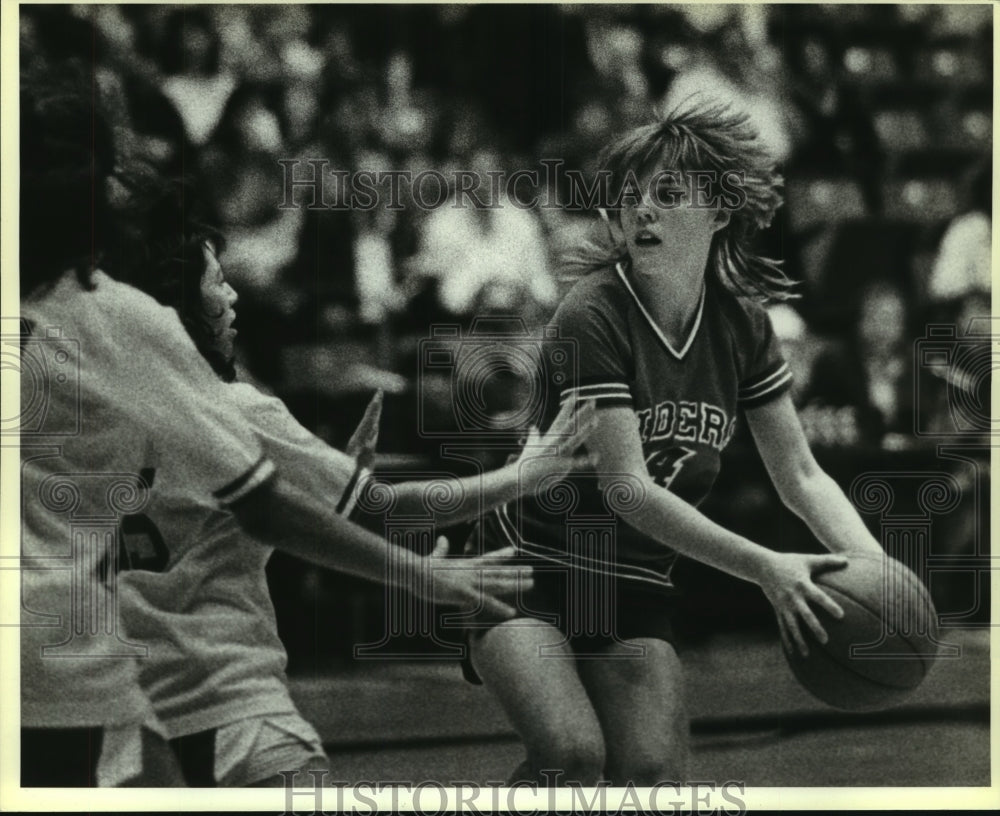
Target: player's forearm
x,y
283,516
670,520
472,495
822,505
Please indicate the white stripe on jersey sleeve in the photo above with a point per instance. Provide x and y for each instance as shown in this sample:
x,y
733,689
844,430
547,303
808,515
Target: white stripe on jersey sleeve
x,y
769,384
600,392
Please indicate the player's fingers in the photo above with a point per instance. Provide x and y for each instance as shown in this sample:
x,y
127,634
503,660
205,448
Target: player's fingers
x,y
827,563
506,583
370,419
792,622
440,547
504,552
496,608
822,599
566,411
585,427
465,588
582,422
786,640
470,590
365,435
562,420
534,438
572,418
374,410
587,413
812,621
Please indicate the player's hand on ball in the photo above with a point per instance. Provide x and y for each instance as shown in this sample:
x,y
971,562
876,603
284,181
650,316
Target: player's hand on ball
x,y
361,446
489,580
788,585
554,453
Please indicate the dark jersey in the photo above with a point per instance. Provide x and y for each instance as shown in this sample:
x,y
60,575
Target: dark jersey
x,y
685,401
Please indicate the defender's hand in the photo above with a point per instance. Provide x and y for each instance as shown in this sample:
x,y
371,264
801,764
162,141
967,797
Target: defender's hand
x,y
554,454
468,582
361,446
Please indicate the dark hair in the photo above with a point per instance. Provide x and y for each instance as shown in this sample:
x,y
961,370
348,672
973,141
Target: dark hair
x,y
67,156
164,256
61,36
980,187
701,136
172,48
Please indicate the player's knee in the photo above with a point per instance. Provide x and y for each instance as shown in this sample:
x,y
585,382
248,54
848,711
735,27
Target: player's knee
x,y
574,758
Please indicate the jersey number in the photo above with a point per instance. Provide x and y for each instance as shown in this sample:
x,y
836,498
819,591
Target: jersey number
x,y
664,466
140,543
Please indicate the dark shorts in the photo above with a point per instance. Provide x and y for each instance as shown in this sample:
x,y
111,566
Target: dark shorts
x,y
60,757
590,614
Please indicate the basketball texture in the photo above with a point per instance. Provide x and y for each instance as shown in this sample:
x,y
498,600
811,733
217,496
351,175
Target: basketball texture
x,y
882,648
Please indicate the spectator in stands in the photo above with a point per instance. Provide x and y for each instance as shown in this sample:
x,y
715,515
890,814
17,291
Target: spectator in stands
x,y
798,344
833,129
962,268
731,63
159,136
484,256
195,81
824,425
240,169
870,375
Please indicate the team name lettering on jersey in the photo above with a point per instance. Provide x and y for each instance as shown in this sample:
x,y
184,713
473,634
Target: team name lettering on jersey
x,y
686,422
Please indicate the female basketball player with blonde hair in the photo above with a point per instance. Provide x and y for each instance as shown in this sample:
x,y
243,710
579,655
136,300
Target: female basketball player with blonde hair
x,y
672,342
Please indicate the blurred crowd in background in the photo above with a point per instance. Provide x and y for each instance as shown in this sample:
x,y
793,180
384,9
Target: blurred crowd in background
x,y
879,115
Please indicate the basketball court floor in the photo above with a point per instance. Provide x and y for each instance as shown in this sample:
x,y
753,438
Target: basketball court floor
x,y
394,721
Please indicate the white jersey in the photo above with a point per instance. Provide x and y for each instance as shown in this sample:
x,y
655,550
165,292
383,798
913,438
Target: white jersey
x,y
203,609
114,396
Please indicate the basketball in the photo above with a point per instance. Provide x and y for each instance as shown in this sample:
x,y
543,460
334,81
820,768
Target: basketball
x,y
883,647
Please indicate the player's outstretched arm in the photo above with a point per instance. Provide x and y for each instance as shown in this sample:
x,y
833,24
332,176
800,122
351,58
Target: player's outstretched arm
x,y
804,487
282,516
544,456
785,578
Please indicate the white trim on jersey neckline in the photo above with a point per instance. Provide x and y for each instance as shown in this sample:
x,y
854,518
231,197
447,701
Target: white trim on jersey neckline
x,y
652,323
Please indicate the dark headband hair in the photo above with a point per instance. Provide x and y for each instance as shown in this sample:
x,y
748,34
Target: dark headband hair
x,y
67,156
164,256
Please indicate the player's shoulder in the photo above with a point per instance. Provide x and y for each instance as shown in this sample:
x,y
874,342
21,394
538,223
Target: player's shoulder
x,y
128,307
599,293
745,318
106,307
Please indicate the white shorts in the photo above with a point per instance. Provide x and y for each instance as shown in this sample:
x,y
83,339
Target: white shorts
x,y
136,754
259,748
